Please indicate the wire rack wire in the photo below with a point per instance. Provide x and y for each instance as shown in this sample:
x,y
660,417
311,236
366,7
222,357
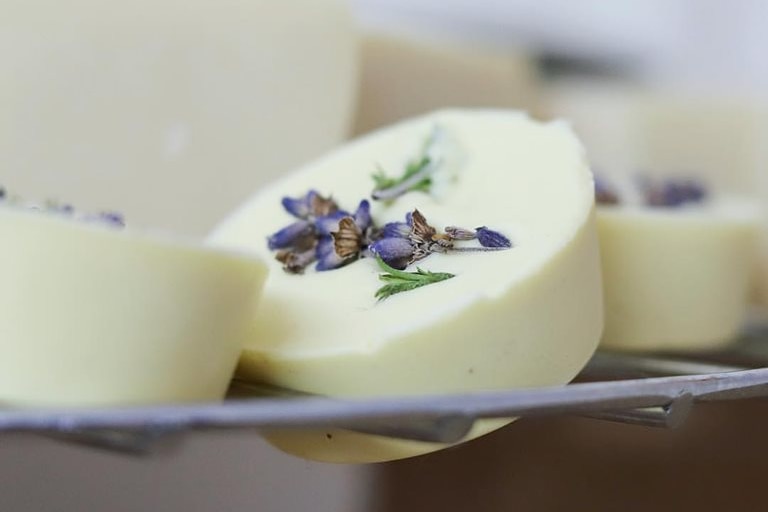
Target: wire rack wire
x,y
650,390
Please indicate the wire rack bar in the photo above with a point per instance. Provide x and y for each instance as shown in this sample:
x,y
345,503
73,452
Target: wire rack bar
x,y
653,391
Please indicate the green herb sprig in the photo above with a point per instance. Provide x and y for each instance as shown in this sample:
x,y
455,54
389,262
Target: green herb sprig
x,y
415,177
399,281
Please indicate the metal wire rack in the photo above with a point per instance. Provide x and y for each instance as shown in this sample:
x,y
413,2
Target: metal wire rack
x,y
655,391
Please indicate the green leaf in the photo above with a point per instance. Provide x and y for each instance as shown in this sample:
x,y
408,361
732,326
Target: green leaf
x,y
390,188
399,281
381,180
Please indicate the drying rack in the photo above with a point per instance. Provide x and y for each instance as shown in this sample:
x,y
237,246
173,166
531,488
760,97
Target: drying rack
x,y
655,391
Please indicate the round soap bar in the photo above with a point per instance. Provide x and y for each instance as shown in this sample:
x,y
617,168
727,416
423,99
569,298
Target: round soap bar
x,y
676,278
527,316
91,315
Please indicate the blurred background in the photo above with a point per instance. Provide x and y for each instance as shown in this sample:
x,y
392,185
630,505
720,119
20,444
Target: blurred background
x,y
173,112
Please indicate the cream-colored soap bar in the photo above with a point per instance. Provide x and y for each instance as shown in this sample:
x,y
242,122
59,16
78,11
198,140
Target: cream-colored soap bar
x,y
528,316
627,130
91,315
676,278
716,138
605,118
404,75
170,111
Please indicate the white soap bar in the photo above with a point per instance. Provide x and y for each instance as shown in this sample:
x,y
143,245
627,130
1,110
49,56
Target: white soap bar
x,y
404,75
91,315
170,111
676,279
528,316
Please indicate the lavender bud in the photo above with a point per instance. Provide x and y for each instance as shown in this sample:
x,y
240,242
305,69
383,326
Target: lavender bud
x,y
290,235
329,223
396,230
396,252
363,215
490,238
457,233
327,257
300,206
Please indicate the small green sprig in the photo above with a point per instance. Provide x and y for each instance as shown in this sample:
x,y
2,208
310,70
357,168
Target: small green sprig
x,y
399,281
416,176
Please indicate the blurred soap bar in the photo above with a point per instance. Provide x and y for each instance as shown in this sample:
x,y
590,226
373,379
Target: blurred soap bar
x,y
627,130
169,111
604,115
403,75
676,279
721,140
93,315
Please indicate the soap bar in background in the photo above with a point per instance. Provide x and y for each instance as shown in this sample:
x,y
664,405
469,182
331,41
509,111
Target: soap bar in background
x,y
604,115
720,140
98,316
676,279
170,112
404,75
629,130
523,317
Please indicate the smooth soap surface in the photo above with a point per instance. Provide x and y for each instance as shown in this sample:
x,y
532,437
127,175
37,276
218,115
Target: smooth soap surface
x,y
93,316
170,111
404,75
528,316
676,279
716,138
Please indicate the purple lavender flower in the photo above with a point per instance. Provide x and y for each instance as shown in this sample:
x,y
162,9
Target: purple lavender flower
x,y
348,241
292,235
325,254
490,238
396,230
311,205
332,237
362,215
673,193
299,207
324,226
404,243
317,216
395,251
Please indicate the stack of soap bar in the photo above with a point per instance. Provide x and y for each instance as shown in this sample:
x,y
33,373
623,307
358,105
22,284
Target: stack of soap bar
x,y
93,315
527,316
168,111
676,279
404,75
